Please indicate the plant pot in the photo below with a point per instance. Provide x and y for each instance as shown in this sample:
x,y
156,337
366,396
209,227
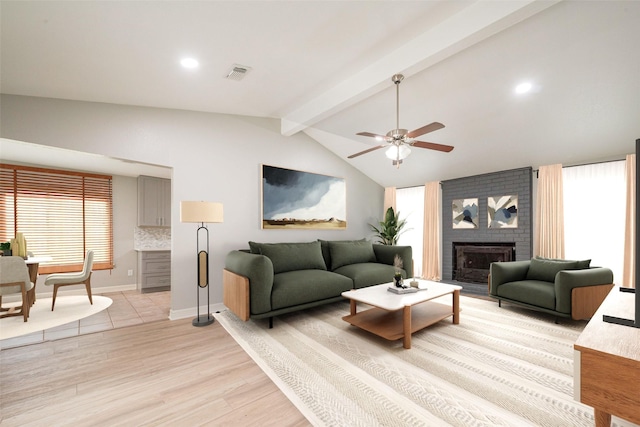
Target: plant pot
x,y
398,281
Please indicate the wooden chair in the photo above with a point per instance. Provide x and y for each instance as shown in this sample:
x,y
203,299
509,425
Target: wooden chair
x,y
14,279
68,279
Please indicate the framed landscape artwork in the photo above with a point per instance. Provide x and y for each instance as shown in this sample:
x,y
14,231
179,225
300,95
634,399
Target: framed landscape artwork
x,y
294,199
465,213
502,211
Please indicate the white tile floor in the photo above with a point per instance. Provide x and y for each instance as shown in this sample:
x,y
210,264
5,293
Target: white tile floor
x,y
128,308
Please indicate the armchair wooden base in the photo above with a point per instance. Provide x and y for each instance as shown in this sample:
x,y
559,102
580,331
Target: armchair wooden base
x,y
235,294
586,300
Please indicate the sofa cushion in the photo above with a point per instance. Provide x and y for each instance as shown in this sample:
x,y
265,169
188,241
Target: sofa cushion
x,y
534,292
345,253
254,247
368,273
546,269
326,251
582,264
293,256
303,286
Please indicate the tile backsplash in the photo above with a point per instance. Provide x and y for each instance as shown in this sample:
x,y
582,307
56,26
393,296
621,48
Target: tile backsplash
x,y
152,238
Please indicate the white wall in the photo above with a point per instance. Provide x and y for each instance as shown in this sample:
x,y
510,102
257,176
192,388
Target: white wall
x,y
214,157
125,209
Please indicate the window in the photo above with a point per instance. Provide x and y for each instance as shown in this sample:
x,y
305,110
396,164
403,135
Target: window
x,y
594,214
61,214
410,205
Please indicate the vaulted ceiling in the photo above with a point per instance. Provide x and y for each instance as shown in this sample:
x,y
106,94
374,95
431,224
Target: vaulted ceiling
x,y
325,67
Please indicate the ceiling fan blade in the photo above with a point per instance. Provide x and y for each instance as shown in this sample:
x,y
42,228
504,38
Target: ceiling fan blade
x,y
373,135
433,146
367,151
425,129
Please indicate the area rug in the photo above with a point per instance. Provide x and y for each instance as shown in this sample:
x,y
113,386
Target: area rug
x,y
498,367
68,309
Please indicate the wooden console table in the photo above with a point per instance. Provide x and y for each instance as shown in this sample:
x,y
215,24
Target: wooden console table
x,y
607,363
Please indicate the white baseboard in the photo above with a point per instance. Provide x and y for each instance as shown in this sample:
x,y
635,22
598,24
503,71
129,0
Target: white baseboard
x,y
79,291
192,312
173,314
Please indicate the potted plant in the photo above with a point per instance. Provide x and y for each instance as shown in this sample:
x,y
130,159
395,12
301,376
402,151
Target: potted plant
x,y
5,247
390,229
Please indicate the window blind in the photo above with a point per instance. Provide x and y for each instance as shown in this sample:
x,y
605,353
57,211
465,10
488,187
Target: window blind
x,y
61,214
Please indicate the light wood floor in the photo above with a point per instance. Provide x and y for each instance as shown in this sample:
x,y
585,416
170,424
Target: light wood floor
x,y
158,373
128,308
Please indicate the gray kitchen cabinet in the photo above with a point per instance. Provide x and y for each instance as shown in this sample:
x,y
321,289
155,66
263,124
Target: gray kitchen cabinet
x,y
154,201
154,269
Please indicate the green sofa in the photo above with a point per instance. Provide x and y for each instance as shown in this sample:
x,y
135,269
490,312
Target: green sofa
x,y
276,278
564,288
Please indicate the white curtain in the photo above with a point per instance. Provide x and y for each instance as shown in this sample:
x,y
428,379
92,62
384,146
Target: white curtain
x,y
410,205
629,267
594,214
431,252
389,200
550,237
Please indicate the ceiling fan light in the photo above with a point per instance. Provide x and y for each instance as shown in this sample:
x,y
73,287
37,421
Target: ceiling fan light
x,y
398,152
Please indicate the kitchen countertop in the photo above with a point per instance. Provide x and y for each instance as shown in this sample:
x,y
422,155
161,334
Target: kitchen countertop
x,y
151,249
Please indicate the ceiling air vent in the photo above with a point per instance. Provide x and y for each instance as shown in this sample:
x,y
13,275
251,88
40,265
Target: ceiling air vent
x,y
238,72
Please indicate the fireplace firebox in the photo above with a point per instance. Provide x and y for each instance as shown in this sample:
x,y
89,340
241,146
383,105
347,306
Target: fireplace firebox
x,y
471,260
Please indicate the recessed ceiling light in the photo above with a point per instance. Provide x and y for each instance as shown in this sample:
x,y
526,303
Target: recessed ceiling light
x,y
524,87
189,63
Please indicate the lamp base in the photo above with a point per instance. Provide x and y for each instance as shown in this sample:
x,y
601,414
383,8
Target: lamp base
x,y
202,320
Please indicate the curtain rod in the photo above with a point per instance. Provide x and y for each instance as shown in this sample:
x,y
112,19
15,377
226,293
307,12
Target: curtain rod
x,y
537,170
588,164
413,186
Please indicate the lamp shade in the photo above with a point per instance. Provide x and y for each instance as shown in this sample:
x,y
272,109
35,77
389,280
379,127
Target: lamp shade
x,y
398,152
201,212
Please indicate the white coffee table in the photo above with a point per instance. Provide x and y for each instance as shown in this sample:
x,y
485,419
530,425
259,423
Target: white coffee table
x,y
396,316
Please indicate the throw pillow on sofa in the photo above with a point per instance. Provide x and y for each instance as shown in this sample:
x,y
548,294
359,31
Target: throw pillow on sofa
x,y
582,264
546,269
291,256
326,251
346,253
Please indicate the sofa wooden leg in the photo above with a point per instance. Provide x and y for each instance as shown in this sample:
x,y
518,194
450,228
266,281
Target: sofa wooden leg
x,y
270,322
557,320
499,303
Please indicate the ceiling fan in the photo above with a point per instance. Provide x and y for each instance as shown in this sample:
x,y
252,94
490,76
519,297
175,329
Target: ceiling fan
x,y
397,141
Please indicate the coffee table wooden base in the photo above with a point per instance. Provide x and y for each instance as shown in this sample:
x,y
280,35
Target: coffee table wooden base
x,y
393,325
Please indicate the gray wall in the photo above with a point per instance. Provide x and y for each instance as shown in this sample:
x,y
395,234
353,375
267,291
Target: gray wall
x,y
214,157
516,181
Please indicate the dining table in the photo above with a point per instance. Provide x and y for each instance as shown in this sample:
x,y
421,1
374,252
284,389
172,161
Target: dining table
x,y
33,263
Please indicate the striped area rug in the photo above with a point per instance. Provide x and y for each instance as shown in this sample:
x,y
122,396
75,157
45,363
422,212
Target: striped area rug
x,y
498,367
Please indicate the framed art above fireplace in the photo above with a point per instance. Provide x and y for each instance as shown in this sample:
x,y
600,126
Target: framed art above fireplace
x,y
465,213
502,212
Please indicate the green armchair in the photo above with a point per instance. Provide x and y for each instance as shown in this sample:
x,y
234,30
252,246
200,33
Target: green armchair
x,y
564,288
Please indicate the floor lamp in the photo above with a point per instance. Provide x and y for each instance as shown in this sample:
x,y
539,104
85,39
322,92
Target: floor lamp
x,y
202,212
